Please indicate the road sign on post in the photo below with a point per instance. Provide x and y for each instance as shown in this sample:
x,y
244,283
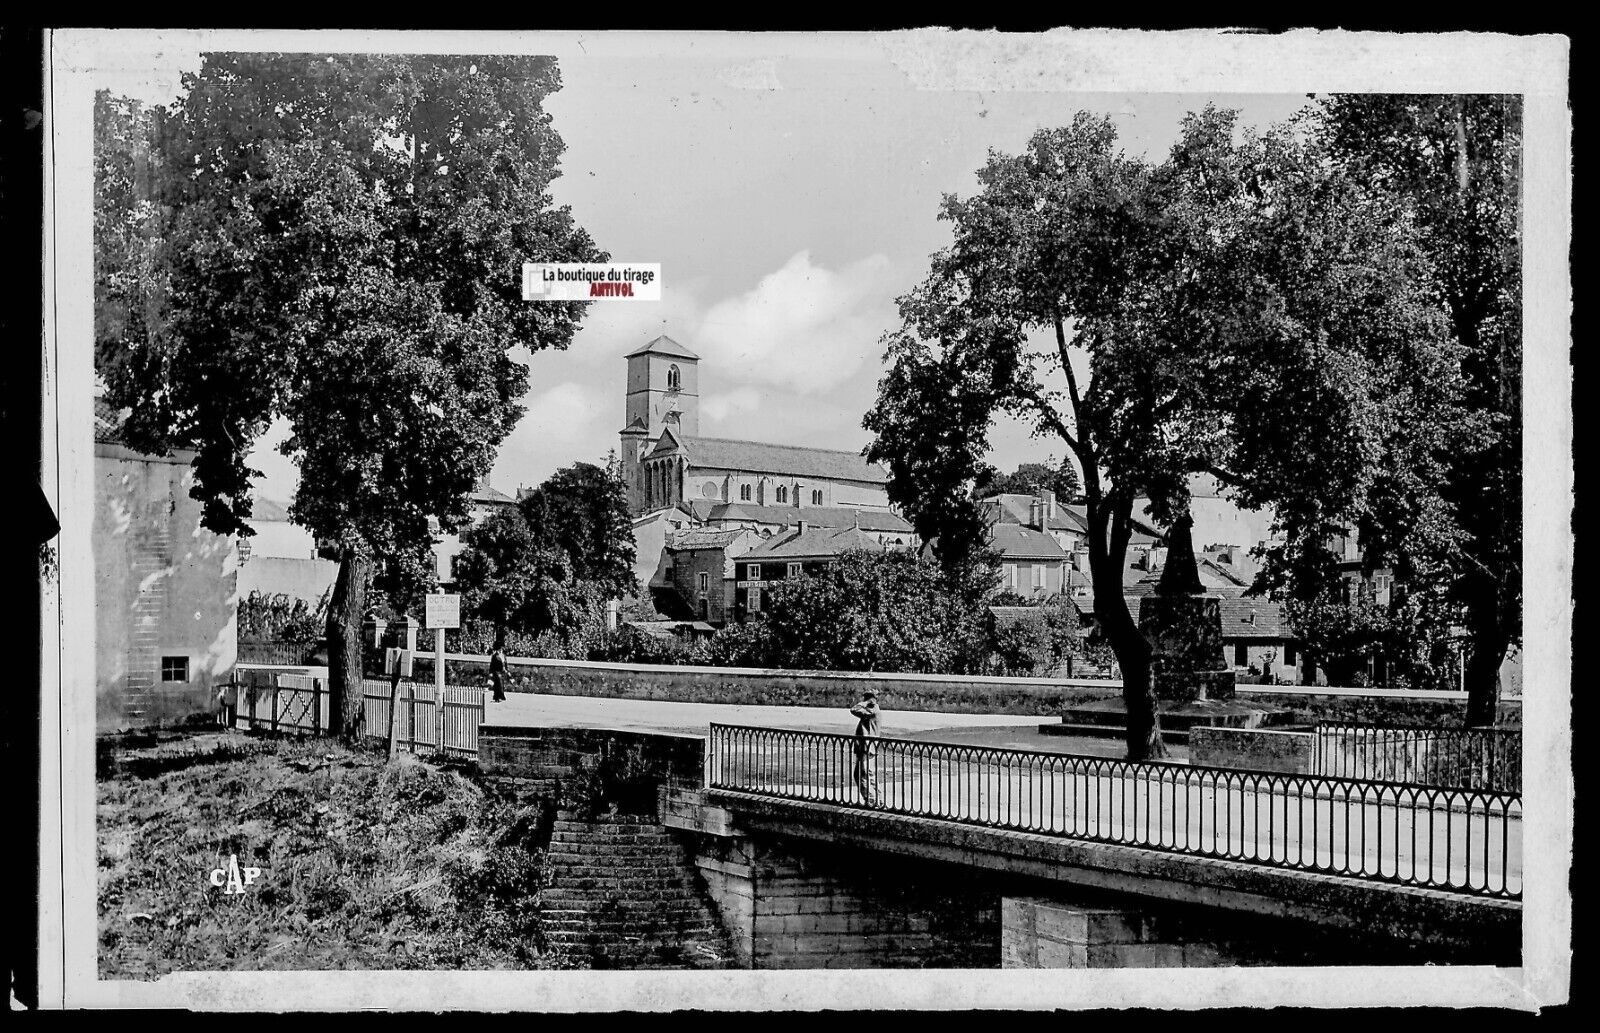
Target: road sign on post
x,y
441,610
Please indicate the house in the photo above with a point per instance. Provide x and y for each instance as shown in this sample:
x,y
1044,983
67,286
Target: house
x,y
665,461
698,566
281,558
1032,563
166,589
792,554
1255,633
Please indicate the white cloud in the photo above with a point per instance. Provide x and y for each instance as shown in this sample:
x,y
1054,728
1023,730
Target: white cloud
x,y
803,328
718,408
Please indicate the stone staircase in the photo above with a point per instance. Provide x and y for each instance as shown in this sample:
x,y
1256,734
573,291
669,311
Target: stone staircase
x,y
624,893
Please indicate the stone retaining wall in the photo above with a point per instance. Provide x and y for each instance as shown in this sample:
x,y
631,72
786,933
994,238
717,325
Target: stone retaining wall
x,y
1253,749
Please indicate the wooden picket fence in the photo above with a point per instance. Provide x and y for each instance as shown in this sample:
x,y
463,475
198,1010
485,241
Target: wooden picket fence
x,y
270,701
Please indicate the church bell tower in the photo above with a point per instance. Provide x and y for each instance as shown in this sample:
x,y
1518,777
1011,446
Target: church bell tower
x,y
663,391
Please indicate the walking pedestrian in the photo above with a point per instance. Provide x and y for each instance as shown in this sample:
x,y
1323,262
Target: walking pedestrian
x,y
497,674
866,746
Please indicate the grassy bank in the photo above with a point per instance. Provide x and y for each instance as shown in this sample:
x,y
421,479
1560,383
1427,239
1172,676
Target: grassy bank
x,y
365,865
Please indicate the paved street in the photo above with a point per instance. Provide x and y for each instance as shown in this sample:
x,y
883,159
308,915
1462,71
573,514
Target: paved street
x,y
531,711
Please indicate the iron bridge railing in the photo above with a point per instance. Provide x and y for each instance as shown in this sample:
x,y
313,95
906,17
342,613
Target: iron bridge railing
x,y
1439,837
1474,758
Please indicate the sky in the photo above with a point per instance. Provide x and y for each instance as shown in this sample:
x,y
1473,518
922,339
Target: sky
x,y
790,193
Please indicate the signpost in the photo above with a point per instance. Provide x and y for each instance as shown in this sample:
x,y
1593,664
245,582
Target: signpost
x,y
440,610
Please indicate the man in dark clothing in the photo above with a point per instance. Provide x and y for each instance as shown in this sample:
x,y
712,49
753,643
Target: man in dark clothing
x,y
866,746
497,674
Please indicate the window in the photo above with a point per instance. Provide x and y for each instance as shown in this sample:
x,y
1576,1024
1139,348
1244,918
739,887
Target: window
x,y
816,497
1038,575
755,600
674,378
744,493
1011,572
1241,654
794,570
705,581
752,572
705,608
1288,655
783,495
174,668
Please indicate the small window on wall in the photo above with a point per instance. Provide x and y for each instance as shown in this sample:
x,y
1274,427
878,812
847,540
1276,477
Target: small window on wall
x,y
816,497
752,572
674,378
1038,575
783,495
174,668
744,493
794,570
705,581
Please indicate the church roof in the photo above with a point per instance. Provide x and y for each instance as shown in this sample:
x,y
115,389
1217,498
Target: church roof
x,y
663,345
763,457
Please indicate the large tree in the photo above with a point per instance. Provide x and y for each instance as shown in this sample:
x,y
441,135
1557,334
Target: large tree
x,y
1239,309
340,239
1455,164
550,563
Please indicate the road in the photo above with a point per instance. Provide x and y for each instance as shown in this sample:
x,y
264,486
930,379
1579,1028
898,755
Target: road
x,y
528,710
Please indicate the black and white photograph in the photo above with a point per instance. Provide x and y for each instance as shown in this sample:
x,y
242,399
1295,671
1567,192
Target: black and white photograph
x,y
587,521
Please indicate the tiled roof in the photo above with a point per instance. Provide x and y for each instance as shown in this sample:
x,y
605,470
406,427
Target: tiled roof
x,y
821,516
704,539
491,496
263,508
812,543
1015,542
1254,617
763,457
1011,508
663,345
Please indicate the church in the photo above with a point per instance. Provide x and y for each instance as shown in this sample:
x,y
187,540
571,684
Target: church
x,y
667,463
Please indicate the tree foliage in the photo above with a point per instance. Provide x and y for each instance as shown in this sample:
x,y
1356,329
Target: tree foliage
x,y
339,239
1453,163
1240,309
548,565
869,611
1031,479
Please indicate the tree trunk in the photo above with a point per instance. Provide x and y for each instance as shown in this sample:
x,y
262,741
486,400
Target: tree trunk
x,y
1489,644
346,609
1132,649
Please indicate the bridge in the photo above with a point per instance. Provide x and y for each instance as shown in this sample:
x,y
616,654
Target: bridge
x,y
977,855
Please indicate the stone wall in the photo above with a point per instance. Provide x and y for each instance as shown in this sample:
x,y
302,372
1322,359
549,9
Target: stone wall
x,y
1375,706
1254,749
821,907
599,769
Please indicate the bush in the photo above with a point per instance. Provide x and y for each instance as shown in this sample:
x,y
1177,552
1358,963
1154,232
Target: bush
x,y
282,617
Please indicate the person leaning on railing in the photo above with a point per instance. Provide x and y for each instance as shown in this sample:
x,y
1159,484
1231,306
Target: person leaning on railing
x,y
866,747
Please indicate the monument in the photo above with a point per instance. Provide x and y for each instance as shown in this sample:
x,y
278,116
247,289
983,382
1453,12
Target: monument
x,y
1184,626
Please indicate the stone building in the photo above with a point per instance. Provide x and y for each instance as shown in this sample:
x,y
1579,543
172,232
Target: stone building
x,y
666,462
166,590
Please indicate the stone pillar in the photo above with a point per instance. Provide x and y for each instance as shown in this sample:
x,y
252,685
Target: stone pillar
x,y
1041,933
